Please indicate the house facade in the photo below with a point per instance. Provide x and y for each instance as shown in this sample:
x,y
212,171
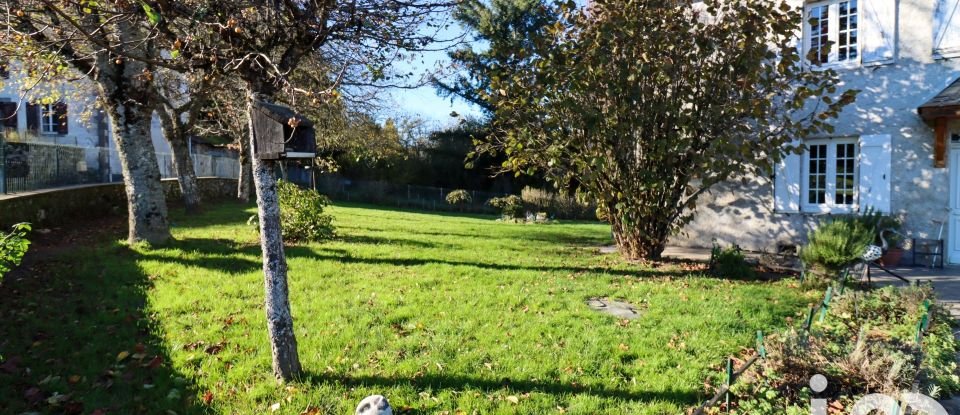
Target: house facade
x,y
896,149
54,133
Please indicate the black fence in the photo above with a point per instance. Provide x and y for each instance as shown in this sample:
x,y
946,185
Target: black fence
x,y
28,166
32,166
399,195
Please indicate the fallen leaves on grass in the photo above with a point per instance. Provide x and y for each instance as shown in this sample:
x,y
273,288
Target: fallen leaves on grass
x,y
215,348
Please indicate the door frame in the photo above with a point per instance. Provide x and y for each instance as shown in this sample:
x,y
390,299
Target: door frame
x,y
953,166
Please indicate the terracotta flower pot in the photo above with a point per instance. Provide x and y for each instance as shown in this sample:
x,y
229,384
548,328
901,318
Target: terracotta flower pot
x,y
891,258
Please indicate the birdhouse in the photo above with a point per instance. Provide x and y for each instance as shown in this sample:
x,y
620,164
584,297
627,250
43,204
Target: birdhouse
x,y
279,133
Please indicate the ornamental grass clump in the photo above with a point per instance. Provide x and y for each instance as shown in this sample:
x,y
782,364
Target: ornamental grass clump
x,y
835,245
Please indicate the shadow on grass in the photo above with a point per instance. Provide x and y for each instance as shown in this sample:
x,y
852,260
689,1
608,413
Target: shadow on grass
x,y
531,233
459,383
307,252
388,208
76,337
221,255
400,242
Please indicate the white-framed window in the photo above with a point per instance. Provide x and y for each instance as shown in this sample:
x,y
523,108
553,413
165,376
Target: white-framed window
x,y
830,175
831,32
48,119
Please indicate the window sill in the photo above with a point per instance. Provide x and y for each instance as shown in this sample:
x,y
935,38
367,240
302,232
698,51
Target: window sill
x,y
829,210
836,66
874,64
946,54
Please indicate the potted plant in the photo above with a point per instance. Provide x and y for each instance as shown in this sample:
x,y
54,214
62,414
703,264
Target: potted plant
x,y
887,231
891,257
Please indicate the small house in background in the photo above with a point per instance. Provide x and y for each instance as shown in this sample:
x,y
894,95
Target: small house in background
x,y
280,133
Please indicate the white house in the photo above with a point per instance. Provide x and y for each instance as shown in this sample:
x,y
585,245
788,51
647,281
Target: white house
x,y
896,149
60,122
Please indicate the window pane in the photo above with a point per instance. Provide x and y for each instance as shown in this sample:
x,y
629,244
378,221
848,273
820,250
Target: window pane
x,y
48,121
817,171
845,179
819,33
846,32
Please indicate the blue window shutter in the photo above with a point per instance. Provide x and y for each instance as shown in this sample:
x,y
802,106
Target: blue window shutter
x,y
786,184
878,26
946,27
876,153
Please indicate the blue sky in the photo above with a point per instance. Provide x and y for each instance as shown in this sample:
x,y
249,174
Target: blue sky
x,y
424,102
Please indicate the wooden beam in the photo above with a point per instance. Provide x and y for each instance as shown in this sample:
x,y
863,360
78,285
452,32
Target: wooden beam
x,y
932,113
940,144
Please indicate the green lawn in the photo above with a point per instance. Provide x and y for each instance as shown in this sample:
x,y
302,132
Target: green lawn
x,y
440,313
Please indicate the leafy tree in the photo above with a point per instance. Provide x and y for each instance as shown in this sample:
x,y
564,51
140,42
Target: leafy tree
x,y
507,31
645,105
111,44
264,44
180,100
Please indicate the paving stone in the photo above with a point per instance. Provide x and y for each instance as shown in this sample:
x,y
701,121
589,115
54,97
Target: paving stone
x,y
619,309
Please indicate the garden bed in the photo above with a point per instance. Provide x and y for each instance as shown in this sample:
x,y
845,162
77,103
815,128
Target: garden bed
x,y
886,341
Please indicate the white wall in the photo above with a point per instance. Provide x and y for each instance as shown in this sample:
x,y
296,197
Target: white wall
x,y
741,211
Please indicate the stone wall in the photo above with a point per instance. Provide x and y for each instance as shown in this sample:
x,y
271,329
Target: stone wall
x,y
64,205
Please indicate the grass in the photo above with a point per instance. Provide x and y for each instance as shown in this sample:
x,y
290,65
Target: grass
x,y
440,313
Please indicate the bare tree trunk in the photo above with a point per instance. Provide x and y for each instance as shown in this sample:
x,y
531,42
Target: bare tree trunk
x,y
644,241
283,342
245,180
177,137
129,102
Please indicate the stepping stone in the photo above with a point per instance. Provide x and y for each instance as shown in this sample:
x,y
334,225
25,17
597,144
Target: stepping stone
x,y
619,309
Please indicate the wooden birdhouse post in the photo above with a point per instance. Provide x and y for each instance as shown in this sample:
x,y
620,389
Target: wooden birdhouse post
x,y
277,133
282,134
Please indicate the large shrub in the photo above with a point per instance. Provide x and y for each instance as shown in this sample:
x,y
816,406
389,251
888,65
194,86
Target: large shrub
x,y
511,207
301,214
557,205
13,246
459,197
837,244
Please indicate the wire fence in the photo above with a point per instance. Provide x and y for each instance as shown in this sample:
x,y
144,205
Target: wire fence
x,y
204,165
401,195
28,166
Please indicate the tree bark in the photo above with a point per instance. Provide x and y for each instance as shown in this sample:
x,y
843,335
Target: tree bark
x,y
245,180
283,342
644,240
128,99
177,137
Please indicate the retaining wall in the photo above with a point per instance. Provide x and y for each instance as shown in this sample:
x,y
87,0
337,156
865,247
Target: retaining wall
x,y
64,205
